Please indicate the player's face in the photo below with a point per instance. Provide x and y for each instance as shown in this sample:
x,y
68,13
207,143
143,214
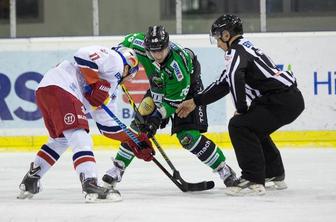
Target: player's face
x,y
220,41
159,56
222,45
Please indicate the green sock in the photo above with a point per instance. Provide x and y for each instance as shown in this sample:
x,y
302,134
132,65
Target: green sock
x,y
216,159
125,156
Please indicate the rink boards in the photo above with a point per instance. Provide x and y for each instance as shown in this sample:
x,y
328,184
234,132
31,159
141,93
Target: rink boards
x,y
23,62
293,139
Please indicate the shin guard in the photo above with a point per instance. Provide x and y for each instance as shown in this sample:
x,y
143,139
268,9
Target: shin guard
x,y
202,147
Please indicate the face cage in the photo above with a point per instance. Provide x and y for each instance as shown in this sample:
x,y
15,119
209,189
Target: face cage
x,y
214,37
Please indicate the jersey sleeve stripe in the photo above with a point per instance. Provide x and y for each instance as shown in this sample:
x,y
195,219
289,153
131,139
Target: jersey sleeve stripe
x,y
220,79
267,69
81,154
287,78
108,129
232,72
208,88
278,78
85,63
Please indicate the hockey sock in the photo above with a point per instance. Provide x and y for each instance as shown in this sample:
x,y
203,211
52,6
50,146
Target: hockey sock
x,y
83,159
116,133
49,153
202,147
125,154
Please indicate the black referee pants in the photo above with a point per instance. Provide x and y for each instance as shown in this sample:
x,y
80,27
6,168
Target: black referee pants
x,y
257,155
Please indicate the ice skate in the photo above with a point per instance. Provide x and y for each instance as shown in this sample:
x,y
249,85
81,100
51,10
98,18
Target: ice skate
x,y
114,175
94,192
30,184
226,174
245,187
277,182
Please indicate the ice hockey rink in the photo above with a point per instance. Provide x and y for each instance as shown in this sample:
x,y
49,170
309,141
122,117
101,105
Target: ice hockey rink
x,y
148,195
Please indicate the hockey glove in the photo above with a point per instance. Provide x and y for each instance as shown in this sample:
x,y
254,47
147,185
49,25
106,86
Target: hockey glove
x,y
164,123
144,150
99,92
152,124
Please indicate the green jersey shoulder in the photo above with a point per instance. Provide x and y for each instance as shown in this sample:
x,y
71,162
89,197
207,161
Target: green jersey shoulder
x,y
175,72
135,41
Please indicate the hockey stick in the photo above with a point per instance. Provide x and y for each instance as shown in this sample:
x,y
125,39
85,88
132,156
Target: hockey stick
x,y
205,185
136,140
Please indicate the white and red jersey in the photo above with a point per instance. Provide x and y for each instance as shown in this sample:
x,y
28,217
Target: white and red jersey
x,y
91,63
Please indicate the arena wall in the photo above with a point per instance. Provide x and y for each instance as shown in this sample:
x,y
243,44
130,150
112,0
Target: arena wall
x,y
311,56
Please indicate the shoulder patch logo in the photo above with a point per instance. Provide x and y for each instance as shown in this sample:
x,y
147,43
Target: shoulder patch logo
x,y
69,118
247,44
139,43
177,70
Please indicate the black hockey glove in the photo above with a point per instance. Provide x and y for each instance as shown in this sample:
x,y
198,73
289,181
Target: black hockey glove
x,y
152,124
164,123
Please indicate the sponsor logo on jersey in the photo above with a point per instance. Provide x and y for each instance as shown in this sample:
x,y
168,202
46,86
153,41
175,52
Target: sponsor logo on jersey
x,y
247,44
157,82
118,76
73,87
139,43
200,114
169,73
186,140
204,149
69,118
104,88
177,70
81,117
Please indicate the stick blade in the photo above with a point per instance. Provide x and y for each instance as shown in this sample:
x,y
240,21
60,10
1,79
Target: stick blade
x,y
201,186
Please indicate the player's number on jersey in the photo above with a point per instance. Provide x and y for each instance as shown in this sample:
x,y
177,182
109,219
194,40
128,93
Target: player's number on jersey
x,y
185,91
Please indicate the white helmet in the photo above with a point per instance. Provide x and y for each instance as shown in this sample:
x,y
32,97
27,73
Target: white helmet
x,y
130,58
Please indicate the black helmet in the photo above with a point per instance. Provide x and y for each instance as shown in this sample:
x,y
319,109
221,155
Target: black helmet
x,y
156,38
230,23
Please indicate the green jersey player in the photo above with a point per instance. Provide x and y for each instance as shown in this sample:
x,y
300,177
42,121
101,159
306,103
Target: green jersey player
x,y
174,74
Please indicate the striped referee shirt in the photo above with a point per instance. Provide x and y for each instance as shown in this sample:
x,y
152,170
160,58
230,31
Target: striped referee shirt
x,y
248,74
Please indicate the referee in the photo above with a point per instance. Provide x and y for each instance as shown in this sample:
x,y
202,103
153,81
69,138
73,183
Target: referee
x,y
265,99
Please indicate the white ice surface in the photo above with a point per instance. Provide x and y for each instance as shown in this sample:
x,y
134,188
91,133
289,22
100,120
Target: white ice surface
x,y
148,195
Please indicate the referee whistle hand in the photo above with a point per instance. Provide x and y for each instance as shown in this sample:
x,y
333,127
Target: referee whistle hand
x,y
185,108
